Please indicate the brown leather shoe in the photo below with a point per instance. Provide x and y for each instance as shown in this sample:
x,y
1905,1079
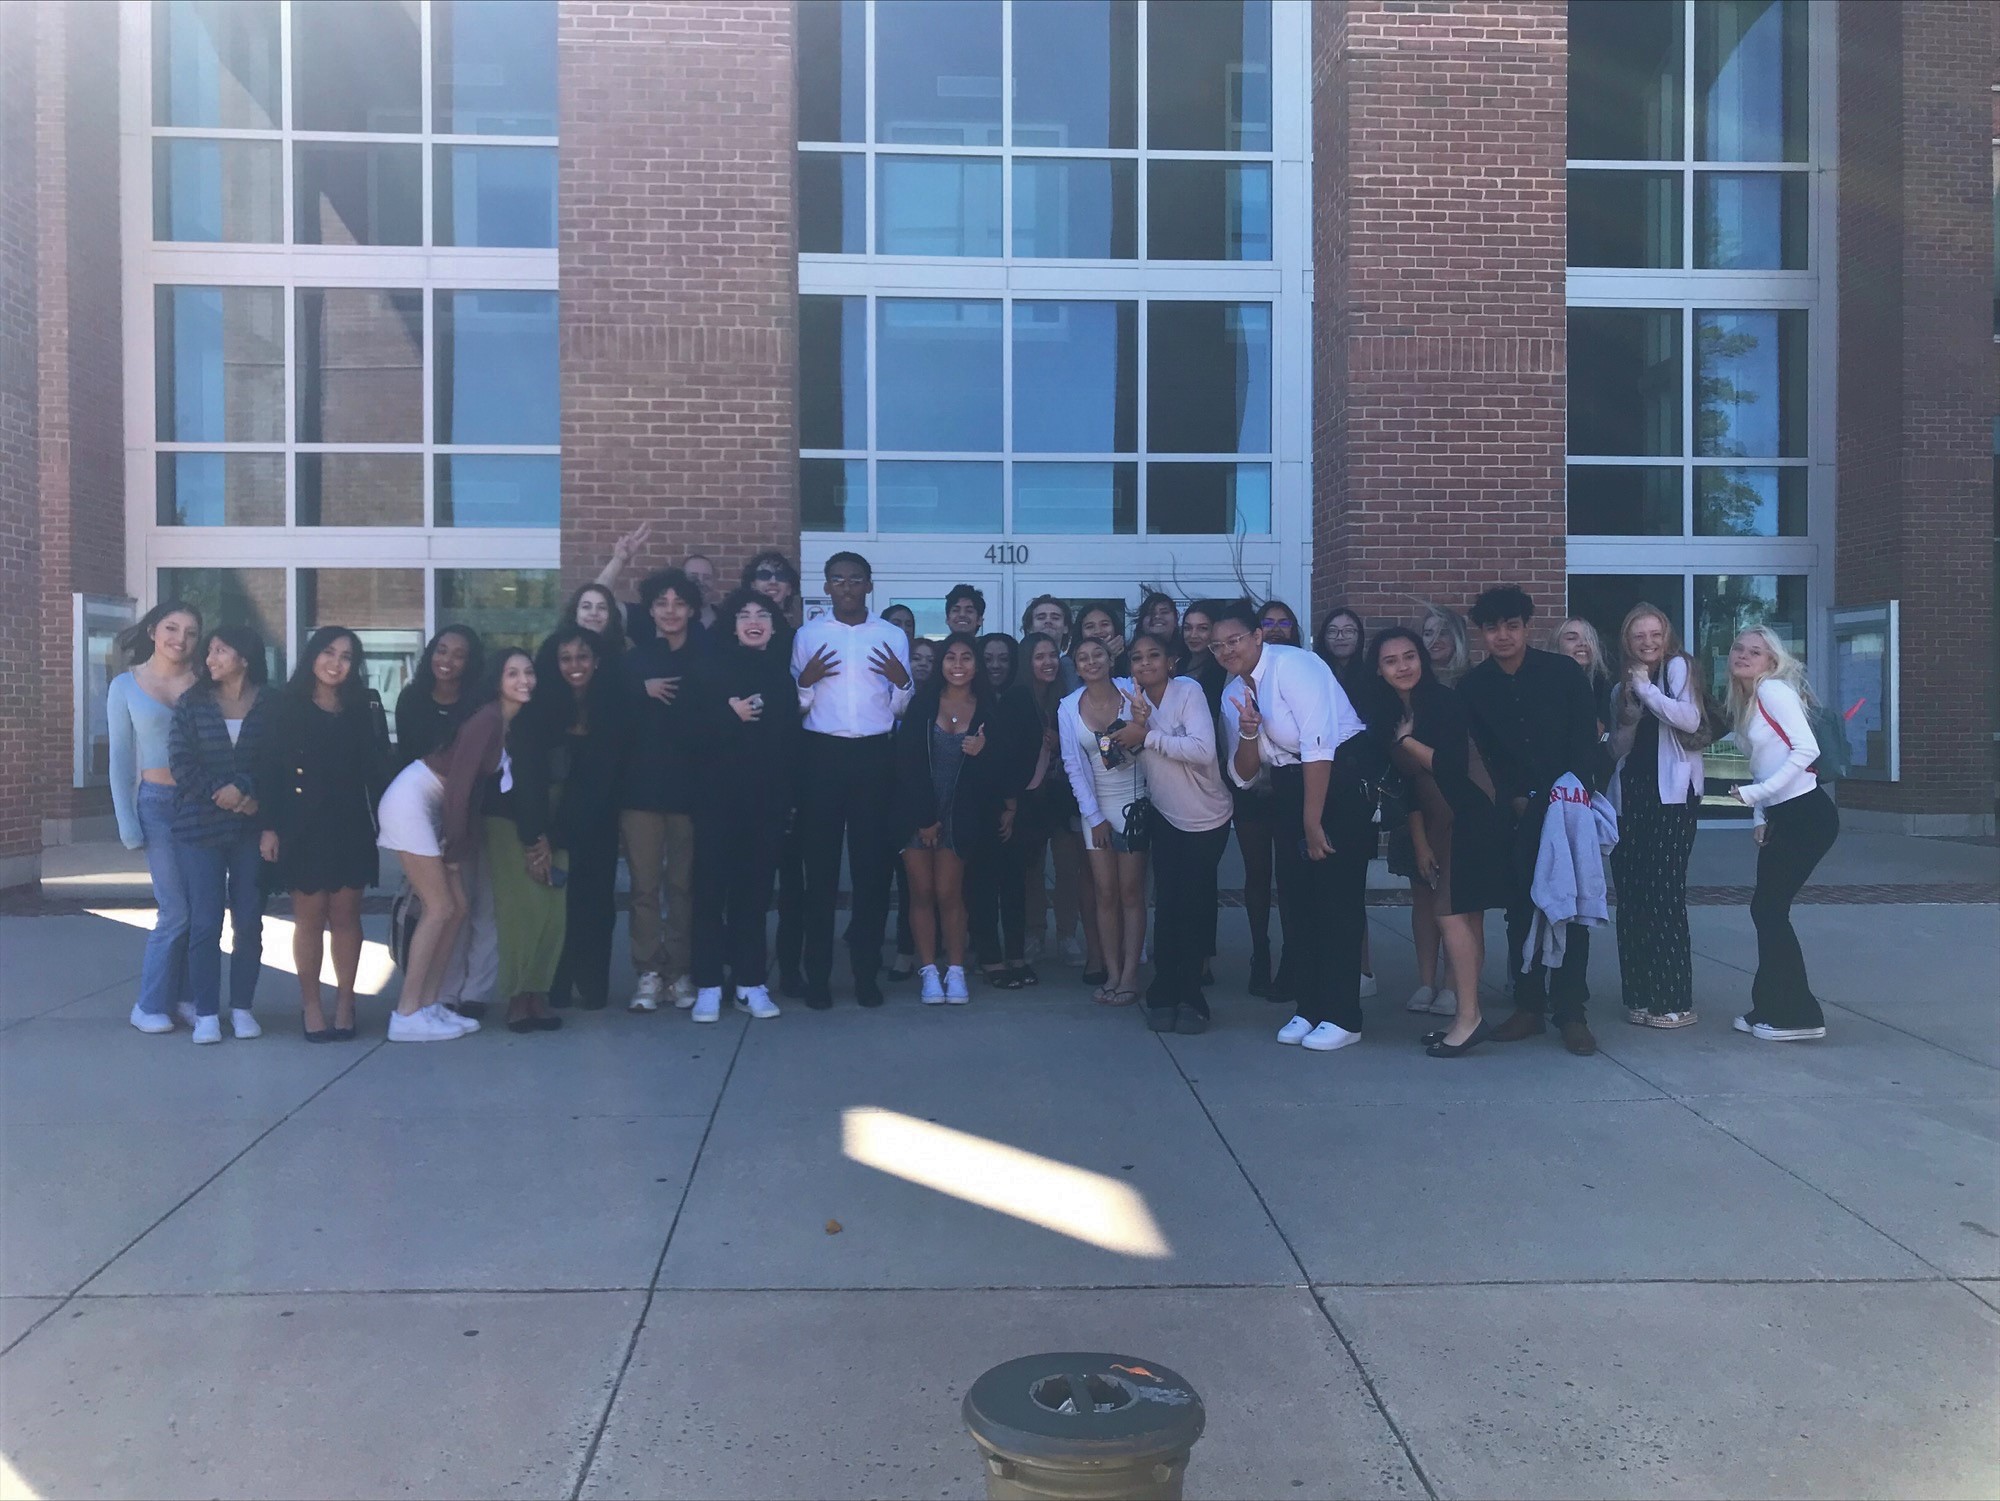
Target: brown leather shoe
x,y
1521,1024
1576,1037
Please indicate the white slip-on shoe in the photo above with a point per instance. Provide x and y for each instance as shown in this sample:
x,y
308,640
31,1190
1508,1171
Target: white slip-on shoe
x,y
955,991
421,1026
184,1013
1420,1000
932,993
1295,1030
444,1016
1326,1037
756,999
683,992
243,1023
151,1022
1765,1032
208,1029
1445,1003
647,996
707,1003
1368,985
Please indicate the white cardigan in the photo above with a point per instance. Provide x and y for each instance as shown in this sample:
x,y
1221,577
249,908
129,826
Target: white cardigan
x,y
1779,771
1183,776
1680,769
1079,748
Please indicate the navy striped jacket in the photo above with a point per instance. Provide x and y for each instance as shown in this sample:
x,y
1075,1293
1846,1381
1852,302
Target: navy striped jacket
x,y
204,761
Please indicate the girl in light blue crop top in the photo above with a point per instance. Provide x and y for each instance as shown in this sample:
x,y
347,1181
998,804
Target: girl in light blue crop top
x,y
139,724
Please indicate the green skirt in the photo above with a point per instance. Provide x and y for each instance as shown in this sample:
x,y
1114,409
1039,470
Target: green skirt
x,y
529,915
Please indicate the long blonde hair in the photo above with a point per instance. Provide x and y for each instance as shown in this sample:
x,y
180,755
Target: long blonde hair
x,y
1788,670
1454,627
1599,668
1644,611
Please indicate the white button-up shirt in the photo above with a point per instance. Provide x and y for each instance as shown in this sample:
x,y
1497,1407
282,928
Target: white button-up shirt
x,y
1306,713
855,701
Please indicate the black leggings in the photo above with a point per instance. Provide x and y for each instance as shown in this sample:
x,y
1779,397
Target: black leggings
x,y
996,899
590,903
1798,833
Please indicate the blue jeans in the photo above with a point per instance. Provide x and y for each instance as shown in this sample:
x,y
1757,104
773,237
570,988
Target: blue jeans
x,y
163,976
219,875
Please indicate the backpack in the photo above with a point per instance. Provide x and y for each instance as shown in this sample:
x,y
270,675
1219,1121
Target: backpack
x,y
1830,730
404,910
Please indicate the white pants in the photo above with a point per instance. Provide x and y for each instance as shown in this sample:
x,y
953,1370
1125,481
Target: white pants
x,y
474,966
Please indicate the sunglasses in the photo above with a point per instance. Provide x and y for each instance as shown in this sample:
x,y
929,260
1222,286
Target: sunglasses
x,y
768,575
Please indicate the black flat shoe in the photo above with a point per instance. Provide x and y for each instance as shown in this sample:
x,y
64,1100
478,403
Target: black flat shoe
x,y
548,1023
522,1024
1024,975
340,1034
1160,1018
471,1010
324,1034
1193,1020
1443,1049
1095,976
1260,973
1002,979
594,1003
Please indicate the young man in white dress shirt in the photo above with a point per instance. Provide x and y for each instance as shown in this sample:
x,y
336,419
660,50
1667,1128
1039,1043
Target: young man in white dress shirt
x,y
1283,708
853,671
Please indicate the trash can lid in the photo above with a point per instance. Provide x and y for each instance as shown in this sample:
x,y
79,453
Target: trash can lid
x,y
1086,1408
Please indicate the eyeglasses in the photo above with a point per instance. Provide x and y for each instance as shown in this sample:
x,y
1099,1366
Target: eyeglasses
x,y
767,575
1342,630
1275,622
852,580
1229,643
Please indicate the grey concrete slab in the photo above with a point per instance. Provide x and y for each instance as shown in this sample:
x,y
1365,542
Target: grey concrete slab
x,y
1926,1172
18,1316
46,962
366,1204
1158,1198
849,1394
1987,1292
1727,857
1539,1192
72,1196
404,1395
1686,1390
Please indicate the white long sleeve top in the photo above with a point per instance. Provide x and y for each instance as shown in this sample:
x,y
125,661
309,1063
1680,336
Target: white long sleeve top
x,y
1079,752
1780,743
1305,712
854,701
1182,776
1673,703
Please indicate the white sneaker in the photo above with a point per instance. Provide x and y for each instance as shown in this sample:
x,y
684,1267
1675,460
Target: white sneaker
x,y
955,992
707,1003
208,1029
243,1023
684,994
647,996
1368,985
463,1025
756,999
932,993
1295,1030
1420,1000
1765,1032
421,1026
1445,1003
151,1022
1326,1037
184,1012
1073,952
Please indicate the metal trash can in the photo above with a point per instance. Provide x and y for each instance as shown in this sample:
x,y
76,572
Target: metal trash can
x,y
1083,1427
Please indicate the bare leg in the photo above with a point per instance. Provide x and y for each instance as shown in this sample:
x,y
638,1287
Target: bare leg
x,y
1132,916
1424,929
1108,903
1465,950
443,898
948,873
1072,860
921,866
344,918
308,951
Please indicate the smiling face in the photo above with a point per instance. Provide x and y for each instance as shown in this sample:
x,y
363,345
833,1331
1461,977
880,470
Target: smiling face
x,y
1280,625
1235,646
224,663
517,680
1750,659
593,610
1438,641
578,664
1195,629
1047,617
999,663
1342,637
963,616
175,638
754,626
1572,643
448,658
769,580
1150,668
1097,625
1046,662
334,663
1400,666
1646,641
923,658
1093,660
671,614
1161,619
958,664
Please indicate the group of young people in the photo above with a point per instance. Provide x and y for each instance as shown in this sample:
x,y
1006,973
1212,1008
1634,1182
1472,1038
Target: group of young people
x,y
737,758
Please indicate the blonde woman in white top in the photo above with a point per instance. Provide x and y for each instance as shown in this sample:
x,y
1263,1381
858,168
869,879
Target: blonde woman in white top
x,y
1105,775
1796,824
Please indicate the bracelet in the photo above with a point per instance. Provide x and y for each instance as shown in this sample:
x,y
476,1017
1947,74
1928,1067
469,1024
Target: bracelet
x,y
1241,736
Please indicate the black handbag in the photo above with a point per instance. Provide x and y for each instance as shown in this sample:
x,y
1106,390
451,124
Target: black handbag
x,y
1139,823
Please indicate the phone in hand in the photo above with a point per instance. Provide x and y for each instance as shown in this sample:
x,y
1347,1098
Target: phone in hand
x,y
558,876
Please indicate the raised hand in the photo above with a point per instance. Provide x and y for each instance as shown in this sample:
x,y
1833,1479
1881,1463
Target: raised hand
x,y
885,661
822,664
975,742
1249,722
627,547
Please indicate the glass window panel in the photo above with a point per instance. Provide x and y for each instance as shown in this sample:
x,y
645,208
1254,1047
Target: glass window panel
x,y
1996,249
833,203
219,364
928,496
1208,377
1625,381
833,70
360,373
1750,384
215,62
833,495
1625,219
1750,221
1208,76
1750,80
1208,211
218,191
1203,498
219,489
235,596
1727,603
833,372
506,606
353,193
356,65
1076,209
938,205
496,196
382,606
497,370
494,67
1076,377
1624,500
1605,599
1625,80
937,72
360,489
1076,74
937,375
1749,502
498,489
1092,500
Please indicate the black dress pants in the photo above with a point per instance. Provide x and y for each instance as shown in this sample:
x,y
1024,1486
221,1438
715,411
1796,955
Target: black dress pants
x,y
791,901
1539,989
736,844
1798,833
1328,897
996,898
590,903
845,797
1184,904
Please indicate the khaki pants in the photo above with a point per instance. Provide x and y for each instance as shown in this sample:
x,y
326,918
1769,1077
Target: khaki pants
x,y
657,845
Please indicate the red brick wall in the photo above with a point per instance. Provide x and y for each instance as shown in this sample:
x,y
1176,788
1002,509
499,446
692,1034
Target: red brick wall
x,y
1916,407
1439,263
679,279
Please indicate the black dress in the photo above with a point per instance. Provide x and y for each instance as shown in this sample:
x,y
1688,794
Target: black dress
x,y
324,775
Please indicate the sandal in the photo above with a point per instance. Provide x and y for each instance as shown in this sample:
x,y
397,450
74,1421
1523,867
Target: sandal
x,y
1104,995
1002,979
1117,997
1024,976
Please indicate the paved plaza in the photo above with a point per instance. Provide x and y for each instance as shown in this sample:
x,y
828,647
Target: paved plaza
x,y
642,1258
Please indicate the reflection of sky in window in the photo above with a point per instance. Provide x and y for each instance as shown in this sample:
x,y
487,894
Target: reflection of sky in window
x,y
1738,383
937,373
937,72
1743,111
939,206
1074,382
1074,68
499,370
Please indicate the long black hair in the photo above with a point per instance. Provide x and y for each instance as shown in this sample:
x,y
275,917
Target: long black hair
x,y
1347,673
613,634
924,705
496,669
1013,657
353,689
135,642
424,679
1046,695
1379,704
247,644
554,700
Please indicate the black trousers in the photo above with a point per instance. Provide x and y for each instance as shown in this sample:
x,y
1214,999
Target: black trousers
x,y
1327,898
1798,833
791,901
736,844
590,903
996,899
1184,904
845,798
1565,990
1650,864
906,940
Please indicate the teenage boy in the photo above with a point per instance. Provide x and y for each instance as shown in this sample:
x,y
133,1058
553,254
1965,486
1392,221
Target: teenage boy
x,y
1534,718
965,611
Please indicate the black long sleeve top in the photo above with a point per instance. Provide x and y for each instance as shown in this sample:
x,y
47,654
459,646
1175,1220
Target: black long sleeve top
x,y
762,753
1533,724
657,767
423,724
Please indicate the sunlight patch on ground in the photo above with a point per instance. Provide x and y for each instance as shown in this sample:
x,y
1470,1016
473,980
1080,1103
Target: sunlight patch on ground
x,y
376,972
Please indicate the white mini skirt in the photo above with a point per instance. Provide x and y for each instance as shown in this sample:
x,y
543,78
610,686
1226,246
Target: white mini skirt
x,y
412,812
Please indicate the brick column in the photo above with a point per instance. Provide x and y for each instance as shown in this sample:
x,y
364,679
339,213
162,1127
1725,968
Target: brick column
x,y
679,279
1916,384
1439,262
